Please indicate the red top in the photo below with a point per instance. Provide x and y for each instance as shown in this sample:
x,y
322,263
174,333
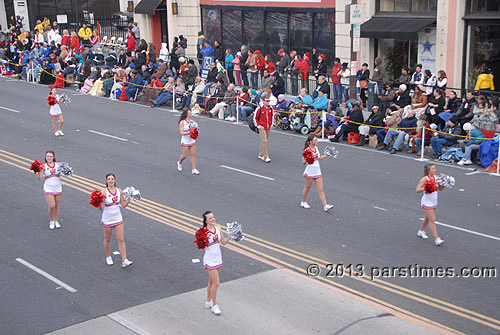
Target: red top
x,y
335,73
260,63
303,66
75,43
66,40
131,43
270,67
263,116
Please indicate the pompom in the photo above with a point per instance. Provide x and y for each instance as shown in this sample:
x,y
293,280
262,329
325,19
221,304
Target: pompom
x,y
201,238
234,231
51,100
65,169
36,166
308,156
130,193
193,133
96,198
430,186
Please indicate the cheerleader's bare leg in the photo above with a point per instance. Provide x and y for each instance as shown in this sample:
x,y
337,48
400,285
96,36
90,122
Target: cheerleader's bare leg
x,y
319,187
57,207
430,219
61,122
192,154
213,285
307,187
51,202
54,123
119,234
185,152
108,231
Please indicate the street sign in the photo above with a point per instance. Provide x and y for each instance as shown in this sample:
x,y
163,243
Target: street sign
x,y
207,61
356,30
356,14
355,44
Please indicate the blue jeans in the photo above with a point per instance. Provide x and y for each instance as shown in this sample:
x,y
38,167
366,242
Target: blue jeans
x,y
437,144
163,98
468,151
130,92
254,79
244,78
418,144
186,100
399,140
337,92
207,86
244,111
380,135
345,89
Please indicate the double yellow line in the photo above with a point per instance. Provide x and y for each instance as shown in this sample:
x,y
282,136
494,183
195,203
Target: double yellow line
x,y
264,250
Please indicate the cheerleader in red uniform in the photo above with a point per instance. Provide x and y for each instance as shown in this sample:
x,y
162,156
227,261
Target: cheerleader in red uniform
x,y
52,188
429,202
212,260
55,112
188,143
312,173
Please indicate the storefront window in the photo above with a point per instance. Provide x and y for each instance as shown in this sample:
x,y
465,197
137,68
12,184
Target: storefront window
x,y
485,46
485,5
212,24
277,32
407,6
301,32
253,29
402,6
324,35
231,29
386,5
395,54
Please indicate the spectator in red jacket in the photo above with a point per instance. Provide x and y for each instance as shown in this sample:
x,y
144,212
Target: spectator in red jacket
x,y
66,39
260,63
303,66
75,43
130,41
269,64
263,119
337,88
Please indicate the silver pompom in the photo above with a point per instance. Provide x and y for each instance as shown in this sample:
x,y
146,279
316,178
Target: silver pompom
x,y
234,231
193,124
65,169
445,180
331,151
65,99
130,193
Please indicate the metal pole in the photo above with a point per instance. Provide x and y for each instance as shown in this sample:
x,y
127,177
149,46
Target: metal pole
x,y
173,99
237,106
422,149
323,117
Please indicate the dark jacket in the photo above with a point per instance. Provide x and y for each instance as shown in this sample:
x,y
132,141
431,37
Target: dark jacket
x,y
219,53
279,85
363,75
212,75
283,63
321,67
449,132
322,87
408,122
453,104
403,99
356,115
376,119
192,72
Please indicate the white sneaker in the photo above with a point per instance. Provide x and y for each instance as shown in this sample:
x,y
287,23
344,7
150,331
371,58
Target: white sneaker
x,y
267,160
109,260
232,118
461,162
216,310
260,157
209,304
126,263
56,133
56,223
304,204
438,241
228,118
179,166
422,234
196,172
51,225
61,133
468,162
327,207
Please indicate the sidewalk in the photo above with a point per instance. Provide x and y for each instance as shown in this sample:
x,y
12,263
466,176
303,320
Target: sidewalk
x,y
273,302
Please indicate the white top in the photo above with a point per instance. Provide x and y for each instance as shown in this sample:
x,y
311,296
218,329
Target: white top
x,y
55,110
429,200
186,140
313,170
52,184
111,214
213,255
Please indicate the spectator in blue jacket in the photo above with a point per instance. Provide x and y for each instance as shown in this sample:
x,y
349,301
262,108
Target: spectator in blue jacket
x,y
408,123
228,64
134,82
474,138
207,50
321,101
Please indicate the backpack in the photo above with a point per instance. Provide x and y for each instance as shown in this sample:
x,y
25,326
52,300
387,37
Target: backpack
x,y
252,125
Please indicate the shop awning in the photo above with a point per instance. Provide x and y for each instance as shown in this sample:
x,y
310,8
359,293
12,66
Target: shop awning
x,y
147,6
396,28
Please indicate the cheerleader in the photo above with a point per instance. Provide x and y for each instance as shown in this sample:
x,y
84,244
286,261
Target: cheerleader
x,y
55,112
312,173
188,144
212,260
429,202
112,218
52,188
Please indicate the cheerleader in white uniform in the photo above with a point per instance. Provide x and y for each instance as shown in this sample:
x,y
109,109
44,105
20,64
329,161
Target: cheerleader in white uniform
x,y
55,113
188,144
312,173
212,260
52,188
429,202
112,219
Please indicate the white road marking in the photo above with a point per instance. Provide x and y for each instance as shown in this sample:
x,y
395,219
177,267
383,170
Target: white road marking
x,y
473,172
134,142
9,109
246,172
382,209
127,324
107,135
12,80
466,230
79,93
46,275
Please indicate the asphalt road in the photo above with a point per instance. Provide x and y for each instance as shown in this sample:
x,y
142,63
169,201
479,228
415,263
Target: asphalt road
x,y
374,222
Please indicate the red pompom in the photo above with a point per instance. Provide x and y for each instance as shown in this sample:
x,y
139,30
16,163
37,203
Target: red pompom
x,y
430,186
51,100
96,198
308,156
36,166
201,238
193,133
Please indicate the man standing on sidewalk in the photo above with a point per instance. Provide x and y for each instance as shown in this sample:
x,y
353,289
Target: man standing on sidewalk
x,y
263,119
